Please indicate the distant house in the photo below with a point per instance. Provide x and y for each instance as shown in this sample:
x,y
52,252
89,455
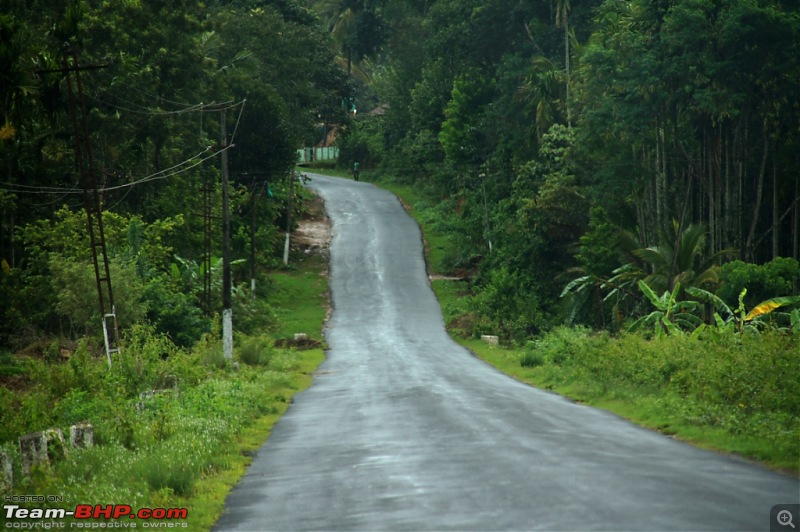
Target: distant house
x,y
380,110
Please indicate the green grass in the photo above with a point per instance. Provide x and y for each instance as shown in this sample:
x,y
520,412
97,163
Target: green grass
x,y
754,429
207,502
301,296
767,437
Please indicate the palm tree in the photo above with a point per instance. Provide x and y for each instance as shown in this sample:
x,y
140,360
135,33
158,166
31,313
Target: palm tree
x,y
357,32
541,89
678,260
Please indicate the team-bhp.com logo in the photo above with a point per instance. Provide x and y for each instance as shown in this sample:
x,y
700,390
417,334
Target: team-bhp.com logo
x,y
93,516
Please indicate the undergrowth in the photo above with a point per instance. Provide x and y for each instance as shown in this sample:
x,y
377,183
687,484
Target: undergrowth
x,y
173,426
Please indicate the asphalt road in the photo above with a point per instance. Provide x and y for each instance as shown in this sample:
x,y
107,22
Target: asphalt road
x,y
405,430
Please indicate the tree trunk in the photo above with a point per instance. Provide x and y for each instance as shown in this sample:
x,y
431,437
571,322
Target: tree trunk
x,y
709,174
796,222
749,251
728,216
775,214
740,193
660,181
566,62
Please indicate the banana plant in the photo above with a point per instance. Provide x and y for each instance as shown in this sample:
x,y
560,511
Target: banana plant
x,y
740,319
670,314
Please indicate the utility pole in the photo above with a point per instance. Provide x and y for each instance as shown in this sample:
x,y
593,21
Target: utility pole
x,y
227,311
91,199
289,218
254,199
208,188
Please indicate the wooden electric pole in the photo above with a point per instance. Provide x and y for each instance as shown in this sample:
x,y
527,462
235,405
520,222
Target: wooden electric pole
x,y
91,198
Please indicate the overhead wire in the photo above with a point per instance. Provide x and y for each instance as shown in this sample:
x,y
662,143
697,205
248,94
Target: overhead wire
x,y
166,173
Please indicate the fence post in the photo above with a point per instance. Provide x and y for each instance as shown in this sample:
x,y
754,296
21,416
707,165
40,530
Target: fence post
x,y
33,448
6,473
81,436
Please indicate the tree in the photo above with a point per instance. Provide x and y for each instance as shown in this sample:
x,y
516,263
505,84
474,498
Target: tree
x,y
679,259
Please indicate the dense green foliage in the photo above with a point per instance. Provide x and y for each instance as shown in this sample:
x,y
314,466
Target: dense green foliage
x,y
570,139
171,424
167,73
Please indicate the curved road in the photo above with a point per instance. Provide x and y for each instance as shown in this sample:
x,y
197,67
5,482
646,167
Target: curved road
x,y
405,430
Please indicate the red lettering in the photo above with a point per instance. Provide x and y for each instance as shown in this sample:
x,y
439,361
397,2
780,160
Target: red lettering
x,y
159,513
103,511
144,513
83,511
121,510
177,513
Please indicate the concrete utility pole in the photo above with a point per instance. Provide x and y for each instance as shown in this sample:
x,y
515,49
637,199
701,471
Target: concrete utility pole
x,y
289,219
254,200
227,310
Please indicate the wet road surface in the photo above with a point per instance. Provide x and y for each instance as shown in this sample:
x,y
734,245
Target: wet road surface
x,y
405,430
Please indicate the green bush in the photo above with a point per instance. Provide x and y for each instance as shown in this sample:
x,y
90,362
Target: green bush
x,y
255,351
169,471
773,279
174,313
739,383
531,359
509,306
76,294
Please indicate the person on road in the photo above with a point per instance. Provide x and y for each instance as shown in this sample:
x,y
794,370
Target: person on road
x,y
355,170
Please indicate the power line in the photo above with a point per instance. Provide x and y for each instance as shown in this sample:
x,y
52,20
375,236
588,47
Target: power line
x,y
18,188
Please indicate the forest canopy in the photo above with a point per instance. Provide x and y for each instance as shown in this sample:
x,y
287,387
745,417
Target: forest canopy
x,y
156,78
609,141
574,147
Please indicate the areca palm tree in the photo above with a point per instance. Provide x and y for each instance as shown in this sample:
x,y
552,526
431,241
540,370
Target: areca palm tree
x,y
541,90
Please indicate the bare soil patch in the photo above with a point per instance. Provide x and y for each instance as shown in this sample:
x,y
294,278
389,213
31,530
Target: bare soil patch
x,y
313,232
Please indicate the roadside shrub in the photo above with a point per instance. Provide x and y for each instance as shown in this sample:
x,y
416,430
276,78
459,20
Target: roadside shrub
x,y
509,306
562,344
208,351
776,278
143,362
168,470
255,351
531,359
76,294
174,313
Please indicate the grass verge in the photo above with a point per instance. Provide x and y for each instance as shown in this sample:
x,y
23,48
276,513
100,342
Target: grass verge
x,y
727,394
